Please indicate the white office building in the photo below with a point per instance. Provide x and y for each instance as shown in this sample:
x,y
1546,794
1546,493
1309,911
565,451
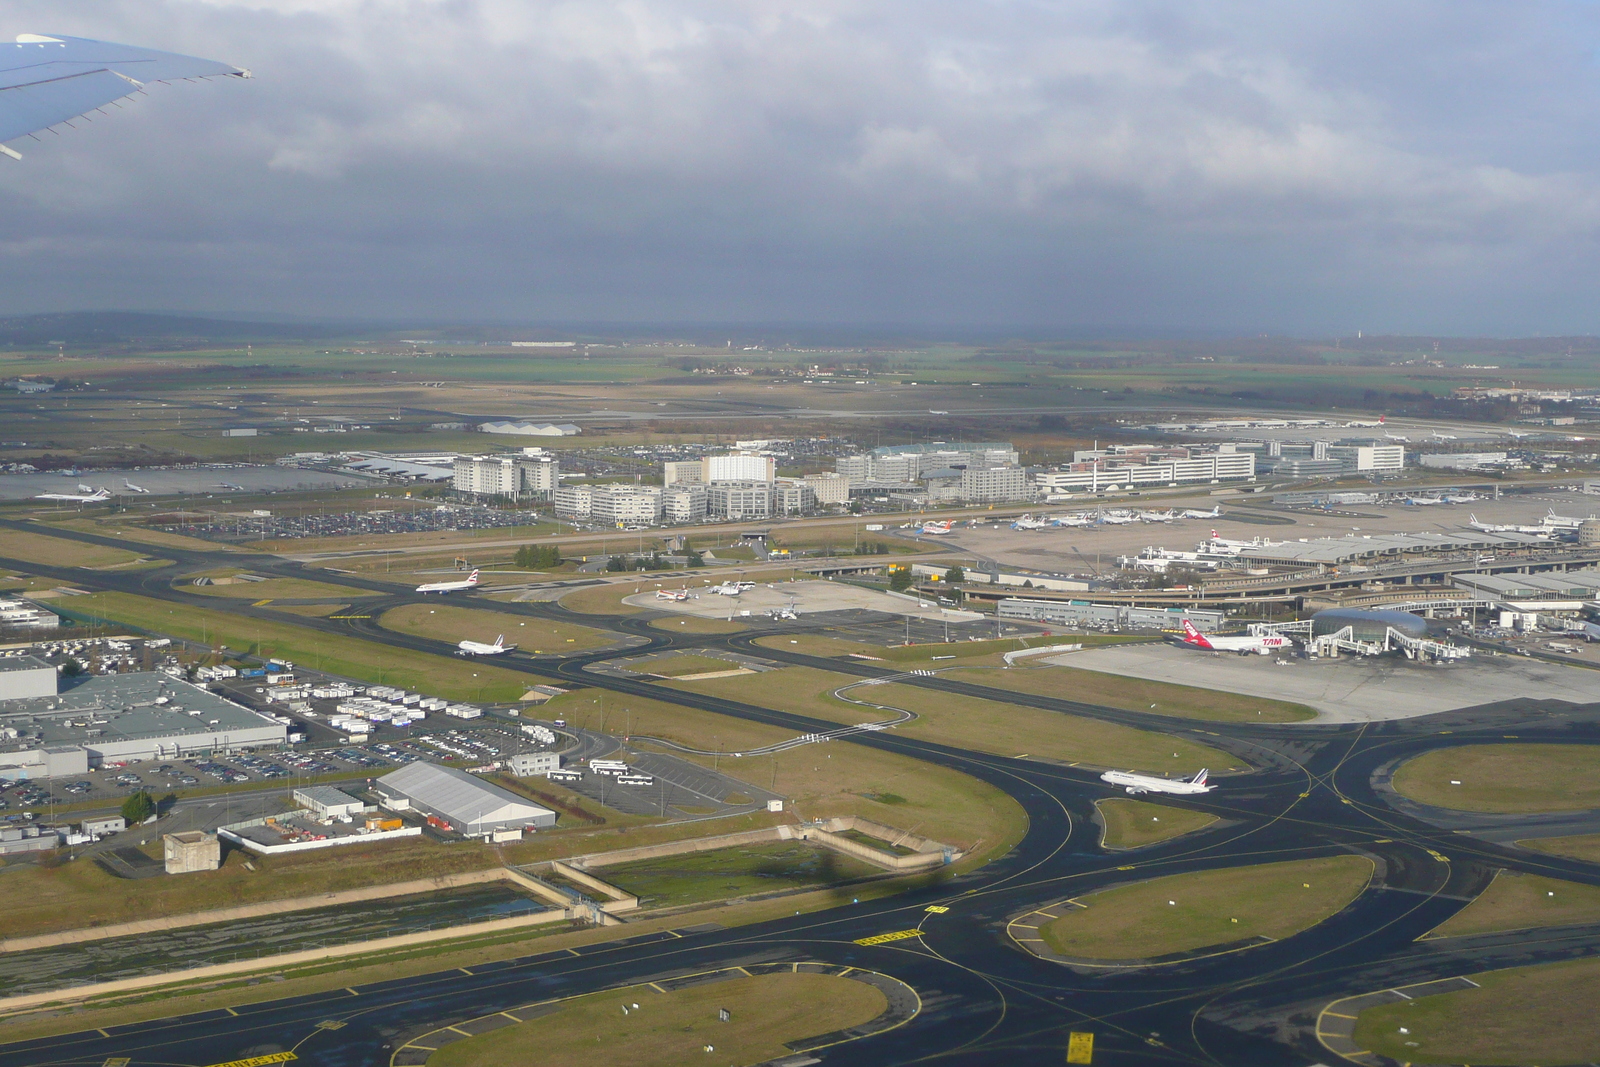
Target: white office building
x,y
625,505
519,477
574,501
684,502
793,498
829,488
994,485
740,467
739,500
1462,460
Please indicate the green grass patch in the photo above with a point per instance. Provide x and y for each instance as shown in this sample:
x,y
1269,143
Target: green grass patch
x,y
1517,901
678,666
749,870
60,552
1584,847
1135,694
288,588
443,623
352,657
1521,1016
971,723
673,1029
1504,778
1136,823
1188,912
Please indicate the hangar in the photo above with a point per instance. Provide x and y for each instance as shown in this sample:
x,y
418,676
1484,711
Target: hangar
x,y
464,802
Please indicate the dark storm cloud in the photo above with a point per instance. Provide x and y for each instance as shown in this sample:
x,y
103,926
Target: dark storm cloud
x,y
1235,166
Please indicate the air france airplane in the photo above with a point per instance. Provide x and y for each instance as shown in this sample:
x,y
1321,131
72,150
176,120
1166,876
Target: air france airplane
x,y
84,497
478,648
1149,783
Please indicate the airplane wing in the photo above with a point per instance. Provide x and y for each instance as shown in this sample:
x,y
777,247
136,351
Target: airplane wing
x,y
49,80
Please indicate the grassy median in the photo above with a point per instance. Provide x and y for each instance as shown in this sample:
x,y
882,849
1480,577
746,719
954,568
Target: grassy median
x,y
1513,779
1516,901
675,1028
1136,823
1522,1016
1190,912
970,723
61,552
443,623
1136,694
351,657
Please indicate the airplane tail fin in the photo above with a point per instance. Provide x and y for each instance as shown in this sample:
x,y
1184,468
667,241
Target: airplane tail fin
x,y
1191,636
1199,779
472,579
500,641
1381,418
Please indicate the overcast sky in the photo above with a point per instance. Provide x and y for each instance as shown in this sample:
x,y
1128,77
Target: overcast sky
x,y
1283,167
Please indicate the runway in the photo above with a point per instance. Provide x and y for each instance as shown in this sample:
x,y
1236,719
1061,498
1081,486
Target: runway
x,y
983,1000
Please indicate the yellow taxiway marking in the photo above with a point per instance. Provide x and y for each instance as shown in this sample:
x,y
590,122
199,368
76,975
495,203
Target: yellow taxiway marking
x,y
102,1033
937,909
260,1061
230,1011
897,935
574,951
352,992
1080,1048
657,988
1129,867
117,1061
463,970
1336,1015
458,1030
262,603
1437,856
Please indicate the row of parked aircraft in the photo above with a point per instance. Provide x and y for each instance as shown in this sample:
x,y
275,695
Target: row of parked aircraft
x,y
1113,517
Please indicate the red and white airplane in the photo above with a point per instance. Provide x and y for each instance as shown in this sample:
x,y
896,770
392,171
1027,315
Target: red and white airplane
x,y
1265,644
469,582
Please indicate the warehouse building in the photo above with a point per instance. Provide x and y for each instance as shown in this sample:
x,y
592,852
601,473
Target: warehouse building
x,y
1077,613
23,615
328,802
530,429
459,800
26,676
124,717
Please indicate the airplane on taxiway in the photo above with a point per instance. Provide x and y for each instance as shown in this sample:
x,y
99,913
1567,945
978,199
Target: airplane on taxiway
x,y
478,648
1149,783
469,582
85,497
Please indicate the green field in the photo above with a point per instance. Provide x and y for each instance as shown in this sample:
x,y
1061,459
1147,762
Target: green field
x,y
967,722
1516,901
1189,912
1514,778
1521,1017
444,623
1135,694
352,657
1584,847
672,1029
749,870
1136,823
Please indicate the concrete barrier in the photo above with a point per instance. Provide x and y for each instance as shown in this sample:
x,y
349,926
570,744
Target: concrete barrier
x,y
678,848
928,853
1023,653
616,899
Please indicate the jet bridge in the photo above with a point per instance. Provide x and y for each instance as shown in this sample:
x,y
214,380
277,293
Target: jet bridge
x,y
1345,640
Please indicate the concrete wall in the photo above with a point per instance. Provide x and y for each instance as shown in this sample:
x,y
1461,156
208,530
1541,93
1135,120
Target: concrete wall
x,y
678,848
617,899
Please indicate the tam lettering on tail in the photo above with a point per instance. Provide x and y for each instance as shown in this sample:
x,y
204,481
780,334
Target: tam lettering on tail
x,y
1191,636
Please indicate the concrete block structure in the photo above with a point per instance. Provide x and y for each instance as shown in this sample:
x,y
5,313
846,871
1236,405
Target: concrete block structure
x,y
191,851
26,676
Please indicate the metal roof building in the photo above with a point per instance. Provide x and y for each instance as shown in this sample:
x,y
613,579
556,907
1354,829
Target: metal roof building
x,y
469,804
1332,551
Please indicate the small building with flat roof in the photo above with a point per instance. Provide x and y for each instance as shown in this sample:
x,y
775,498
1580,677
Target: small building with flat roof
x,y
26,676
328,802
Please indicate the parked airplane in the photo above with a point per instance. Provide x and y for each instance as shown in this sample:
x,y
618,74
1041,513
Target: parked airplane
x,y
932,411
1156,516
85,497
1443,436
936,528
1119,518
1149,783
1423,501
1397,437
1073,520
1028,522
230,486
478,648
1462,498
730,588
1495,527
1591,632
1214,513
1362,422
130,487
85,488
469,582
1264,644
1566,522
672,594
